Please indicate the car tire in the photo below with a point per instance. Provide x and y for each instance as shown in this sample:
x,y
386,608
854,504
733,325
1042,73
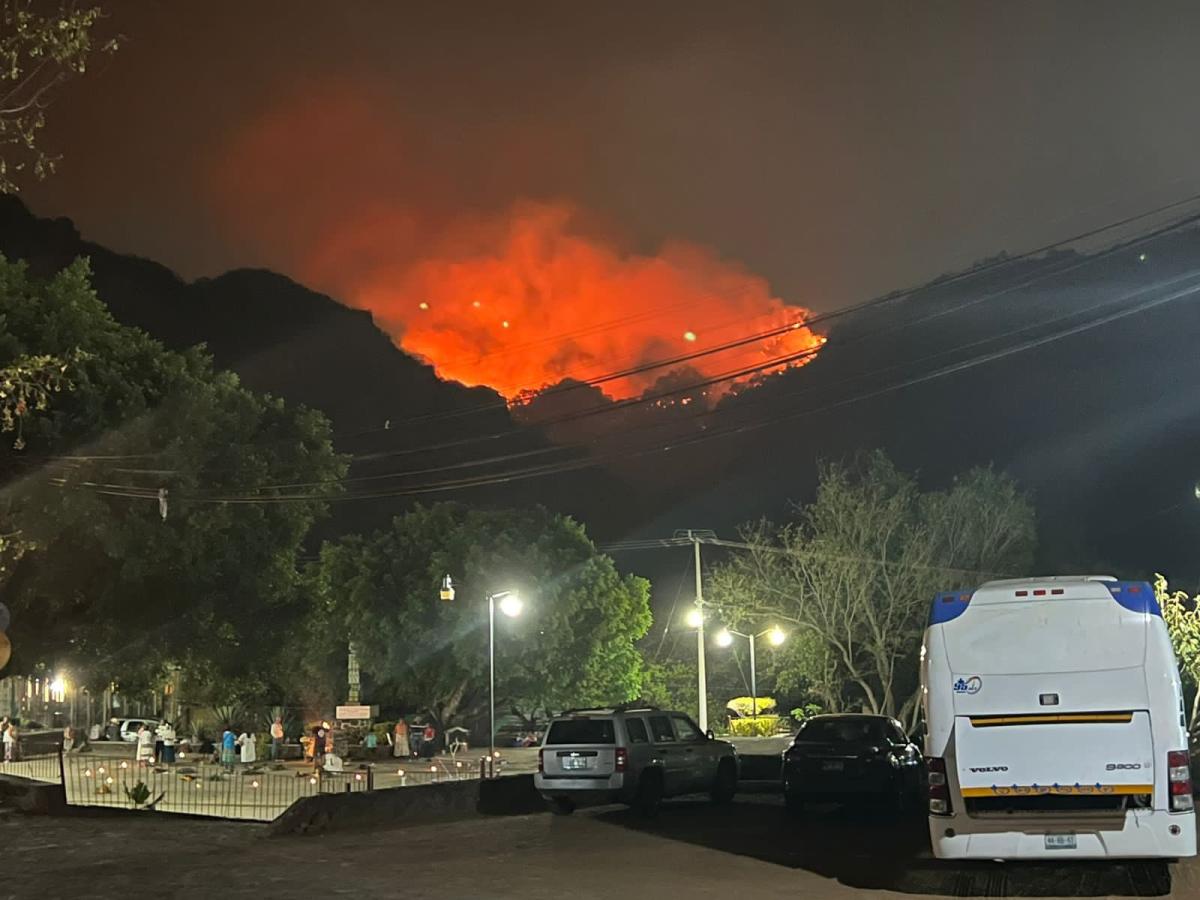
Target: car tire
x,y
649,793
725,785
561,806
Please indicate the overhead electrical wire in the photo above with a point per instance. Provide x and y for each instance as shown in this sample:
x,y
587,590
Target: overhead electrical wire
x,y
814,319
707,413
572,465
606,408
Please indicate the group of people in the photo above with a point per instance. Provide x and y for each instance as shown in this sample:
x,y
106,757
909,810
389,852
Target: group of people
x,y
415,743
236,747
11,738
155,745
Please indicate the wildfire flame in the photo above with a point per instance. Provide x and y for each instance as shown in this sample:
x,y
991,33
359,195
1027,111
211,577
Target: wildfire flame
x,y
518,300
539,305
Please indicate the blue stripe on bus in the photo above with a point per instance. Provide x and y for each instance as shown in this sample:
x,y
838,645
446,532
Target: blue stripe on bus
x,y
948,605
1135,596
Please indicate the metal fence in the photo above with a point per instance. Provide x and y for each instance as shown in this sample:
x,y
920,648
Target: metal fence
x,y
259,793
39,767
199,786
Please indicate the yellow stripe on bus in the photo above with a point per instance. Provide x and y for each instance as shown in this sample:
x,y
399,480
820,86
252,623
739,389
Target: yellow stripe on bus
x,y
1028,790
1050,719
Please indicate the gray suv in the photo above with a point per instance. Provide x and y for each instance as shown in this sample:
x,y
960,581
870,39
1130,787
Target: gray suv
x,y
634,755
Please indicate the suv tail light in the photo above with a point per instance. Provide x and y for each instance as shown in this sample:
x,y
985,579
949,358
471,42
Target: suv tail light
x,y
1179,780
541,762
621,760
939,789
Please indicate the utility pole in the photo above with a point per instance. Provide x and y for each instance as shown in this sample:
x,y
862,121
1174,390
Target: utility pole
x,y
701,677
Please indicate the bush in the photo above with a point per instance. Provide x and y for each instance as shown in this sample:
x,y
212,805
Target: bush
x,y
745,706
800,713
758,726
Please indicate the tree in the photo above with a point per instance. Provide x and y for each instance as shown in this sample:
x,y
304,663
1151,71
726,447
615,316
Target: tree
x,y
573,645
857,568
42,46
1182,615
111,587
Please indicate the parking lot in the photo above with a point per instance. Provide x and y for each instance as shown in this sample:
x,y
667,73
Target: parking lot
x,y
751,849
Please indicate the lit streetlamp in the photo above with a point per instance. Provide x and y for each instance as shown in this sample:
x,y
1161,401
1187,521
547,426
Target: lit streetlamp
x,y
774,635
511,606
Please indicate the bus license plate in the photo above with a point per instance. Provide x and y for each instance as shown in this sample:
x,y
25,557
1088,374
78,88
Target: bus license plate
x,y
1060,842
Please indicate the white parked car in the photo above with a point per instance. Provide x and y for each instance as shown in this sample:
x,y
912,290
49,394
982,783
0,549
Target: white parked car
x,y
129,728
637,756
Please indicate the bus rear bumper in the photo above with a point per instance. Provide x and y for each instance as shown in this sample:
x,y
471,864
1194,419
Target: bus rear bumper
x,y
1140,834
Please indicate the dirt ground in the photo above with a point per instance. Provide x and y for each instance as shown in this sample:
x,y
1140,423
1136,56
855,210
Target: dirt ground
x,y
749,850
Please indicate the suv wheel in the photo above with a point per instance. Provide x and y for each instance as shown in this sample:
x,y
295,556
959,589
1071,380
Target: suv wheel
x,y
561,806
649,793
725,785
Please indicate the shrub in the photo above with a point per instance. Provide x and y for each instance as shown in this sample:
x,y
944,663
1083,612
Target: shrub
x,y
758,726
800,713
745,706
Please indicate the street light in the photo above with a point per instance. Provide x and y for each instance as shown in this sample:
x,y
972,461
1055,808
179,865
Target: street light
x,y
775,635
511,606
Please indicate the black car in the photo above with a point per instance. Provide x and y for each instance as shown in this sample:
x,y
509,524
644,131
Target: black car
x,y
852,758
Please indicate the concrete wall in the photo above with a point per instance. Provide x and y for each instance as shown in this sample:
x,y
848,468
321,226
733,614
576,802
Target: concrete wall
x,y
513,795
35,797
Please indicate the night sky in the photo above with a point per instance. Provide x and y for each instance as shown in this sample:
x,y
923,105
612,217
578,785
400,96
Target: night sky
x,y
527,192
836,150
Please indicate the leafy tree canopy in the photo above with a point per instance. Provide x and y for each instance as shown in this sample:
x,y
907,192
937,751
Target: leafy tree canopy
x,y
573,644
854,572
104,584
43,43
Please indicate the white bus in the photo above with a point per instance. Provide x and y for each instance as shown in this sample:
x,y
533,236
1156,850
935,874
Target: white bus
x,y
1055,723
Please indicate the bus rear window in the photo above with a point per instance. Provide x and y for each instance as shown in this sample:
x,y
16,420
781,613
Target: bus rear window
x,y
581,731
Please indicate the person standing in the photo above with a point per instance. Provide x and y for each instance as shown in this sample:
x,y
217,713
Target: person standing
x,y
228,744
400,746
428,739
249,744
145,745
370,743
318,744
276,738
10,743
167,732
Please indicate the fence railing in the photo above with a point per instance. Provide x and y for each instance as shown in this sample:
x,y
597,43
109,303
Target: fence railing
x,y
203,788
39,767
199,786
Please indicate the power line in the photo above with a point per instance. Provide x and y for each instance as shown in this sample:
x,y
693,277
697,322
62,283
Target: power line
x,y
602,409
574,465
558,449
816,319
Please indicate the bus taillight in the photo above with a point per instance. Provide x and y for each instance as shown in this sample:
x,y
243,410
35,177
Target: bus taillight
x,y
1179,780
939,789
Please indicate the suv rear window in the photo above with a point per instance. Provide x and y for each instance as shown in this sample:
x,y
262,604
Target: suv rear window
x,y
581,731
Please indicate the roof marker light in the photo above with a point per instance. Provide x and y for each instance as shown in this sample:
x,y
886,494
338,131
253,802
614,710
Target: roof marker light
x,y
1022,593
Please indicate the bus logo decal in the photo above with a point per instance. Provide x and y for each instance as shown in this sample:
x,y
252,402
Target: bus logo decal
x,y
970,685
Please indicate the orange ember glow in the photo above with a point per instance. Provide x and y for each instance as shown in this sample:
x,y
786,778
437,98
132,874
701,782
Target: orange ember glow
x,y
518,300
527,303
